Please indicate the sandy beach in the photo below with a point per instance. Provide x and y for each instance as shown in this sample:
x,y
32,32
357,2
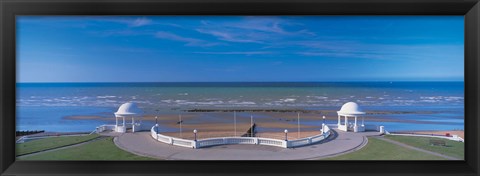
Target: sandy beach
x,y
268,124
227,117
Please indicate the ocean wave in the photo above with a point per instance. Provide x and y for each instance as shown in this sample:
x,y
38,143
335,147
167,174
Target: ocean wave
x,y
288,100
167,101
246,103
185,102
235,102
454,98
405,101
106,96
430,101
365,101
432,98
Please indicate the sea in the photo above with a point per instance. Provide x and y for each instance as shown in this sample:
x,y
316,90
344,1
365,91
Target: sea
x,y
44,106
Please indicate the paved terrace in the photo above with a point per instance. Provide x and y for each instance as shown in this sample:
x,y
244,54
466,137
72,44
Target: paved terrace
x,y
141,143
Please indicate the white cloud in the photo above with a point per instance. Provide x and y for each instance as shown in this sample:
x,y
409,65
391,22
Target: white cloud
x,y
140,22
238,53
261,30
187,40
228,36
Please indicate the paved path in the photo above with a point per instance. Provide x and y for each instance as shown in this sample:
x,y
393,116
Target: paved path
x,y
61,147
141,143
415,148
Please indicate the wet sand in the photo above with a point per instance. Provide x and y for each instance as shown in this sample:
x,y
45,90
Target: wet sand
x,y
259,117
85,118
324,112
211,127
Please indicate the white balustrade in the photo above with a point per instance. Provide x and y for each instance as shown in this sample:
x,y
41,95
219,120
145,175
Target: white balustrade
x,y
298,142
103,128
210,142
240,140
183,142
272,142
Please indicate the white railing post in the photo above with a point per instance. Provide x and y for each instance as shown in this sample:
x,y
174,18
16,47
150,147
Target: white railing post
x,y
195,144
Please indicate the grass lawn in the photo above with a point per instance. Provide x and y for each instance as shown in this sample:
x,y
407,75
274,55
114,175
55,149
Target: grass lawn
x,y
103,149
452,148
50,143
377,149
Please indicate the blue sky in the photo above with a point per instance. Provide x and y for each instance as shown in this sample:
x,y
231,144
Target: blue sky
x,y
239,48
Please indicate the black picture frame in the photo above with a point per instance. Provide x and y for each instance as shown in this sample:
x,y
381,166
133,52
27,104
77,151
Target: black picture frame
x,y
11,8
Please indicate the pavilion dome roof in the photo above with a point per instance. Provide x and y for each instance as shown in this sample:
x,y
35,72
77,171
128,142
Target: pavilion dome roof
x,y
129,109
350,108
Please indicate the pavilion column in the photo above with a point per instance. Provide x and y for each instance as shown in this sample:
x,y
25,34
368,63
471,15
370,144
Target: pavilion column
x,y
124,121
355,128
363,121
346,123
133,124
116,121
355,121
339,121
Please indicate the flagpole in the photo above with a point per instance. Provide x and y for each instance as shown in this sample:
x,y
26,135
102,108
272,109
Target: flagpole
x,y
235,122
251,126
180,117
298,126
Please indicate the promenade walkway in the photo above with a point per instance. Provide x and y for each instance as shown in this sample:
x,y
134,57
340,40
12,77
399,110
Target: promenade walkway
x,y
141,143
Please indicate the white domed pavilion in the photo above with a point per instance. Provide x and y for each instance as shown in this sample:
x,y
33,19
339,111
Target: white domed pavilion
x,y
350,109
128,110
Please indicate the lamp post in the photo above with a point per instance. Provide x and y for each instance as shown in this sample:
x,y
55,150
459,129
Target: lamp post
x,y
298,125
251,126
156,116
195,133
180,121
156,126
323,123
286,132
235,123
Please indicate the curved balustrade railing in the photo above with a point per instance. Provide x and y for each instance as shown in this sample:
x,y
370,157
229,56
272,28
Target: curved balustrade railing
x,y
103,128
240,140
